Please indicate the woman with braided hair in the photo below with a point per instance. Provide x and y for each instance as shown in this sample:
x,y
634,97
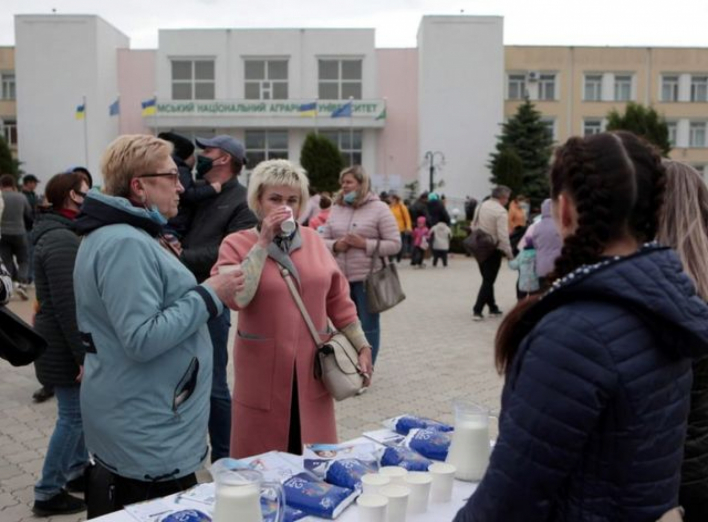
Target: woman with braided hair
x,y
598,369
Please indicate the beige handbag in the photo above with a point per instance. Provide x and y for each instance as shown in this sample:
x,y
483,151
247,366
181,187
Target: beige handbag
x,y
675,515
383,288
337,361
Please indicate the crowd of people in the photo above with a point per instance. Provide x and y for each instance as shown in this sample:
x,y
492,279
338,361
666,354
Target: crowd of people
x,y
605,403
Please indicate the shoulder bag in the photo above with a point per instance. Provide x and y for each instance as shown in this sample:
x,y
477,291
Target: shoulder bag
x,y
383,287
479,243
336,361
20,344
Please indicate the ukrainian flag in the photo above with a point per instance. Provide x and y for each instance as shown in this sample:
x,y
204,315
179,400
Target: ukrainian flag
x,y
308,109
81,111
149,106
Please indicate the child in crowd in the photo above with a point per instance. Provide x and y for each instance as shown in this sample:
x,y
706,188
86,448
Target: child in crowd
x,y
421,237
321,218
441,235
525,263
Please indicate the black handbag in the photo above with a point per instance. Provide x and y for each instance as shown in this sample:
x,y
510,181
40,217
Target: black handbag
x,y
383,287
20,344
479,243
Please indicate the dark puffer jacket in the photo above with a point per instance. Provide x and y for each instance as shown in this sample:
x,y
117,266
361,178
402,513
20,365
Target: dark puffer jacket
x,y
595,403
55,247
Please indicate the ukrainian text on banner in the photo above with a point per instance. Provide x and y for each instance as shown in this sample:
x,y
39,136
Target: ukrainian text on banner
x,y
368,109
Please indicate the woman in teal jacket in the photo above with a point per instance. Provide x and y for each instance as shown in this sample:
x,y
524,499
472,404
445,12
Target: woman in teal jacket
x,y
142,317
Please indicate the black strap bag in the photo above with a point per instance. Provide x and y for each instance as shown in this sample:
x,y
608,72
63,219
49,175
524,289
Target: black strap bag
x,y
20,344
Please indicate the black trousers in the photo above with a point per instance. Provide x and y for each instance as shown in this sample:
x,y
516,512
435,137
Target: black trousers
x,y
489,270
107,492
439,254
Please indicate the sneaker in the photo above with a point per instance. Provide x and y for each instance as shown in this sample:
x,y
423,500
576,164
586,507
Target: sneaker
x,y
477,317
22,292
42,394
60,504
78,485
496,313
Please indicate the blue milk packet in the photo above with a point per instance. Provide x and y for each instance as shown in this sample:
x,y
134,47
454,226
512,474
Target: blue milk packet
x,y
430,443
317,498
347,473
406,423
405,458
269,508
187,515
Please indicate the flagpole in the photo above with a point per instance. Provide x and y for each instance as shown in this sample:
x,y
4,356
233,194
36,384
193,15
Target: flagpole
x,y
351,131
120,116
157,121
86,147
317,110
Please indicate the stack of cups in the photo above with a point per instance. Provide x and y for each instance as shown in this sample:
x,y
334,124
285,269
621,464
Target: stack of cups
x,y
443,476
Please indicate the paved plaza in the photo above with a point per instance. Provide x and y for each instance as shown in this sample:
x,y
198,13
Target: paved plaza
x,y
431,352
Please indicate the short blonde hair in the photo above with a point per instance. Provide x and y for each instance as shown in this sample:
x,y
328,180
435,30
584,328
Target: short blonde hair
x,y
128,157
276,173
359,174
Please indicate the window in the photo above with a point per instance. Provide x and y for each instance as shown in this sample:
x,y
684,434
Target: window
x,y
266,79
340,79
697,135
264,145
593,87
623,87
673,129
517,87
669,88
547,87
699,88
8,86
193,80
9,128
349,143
550,124
591,127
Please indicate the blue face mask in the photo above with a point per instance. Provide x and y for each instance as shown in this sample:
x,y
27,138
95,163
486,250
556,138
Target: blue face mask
x,y
155,215
349,198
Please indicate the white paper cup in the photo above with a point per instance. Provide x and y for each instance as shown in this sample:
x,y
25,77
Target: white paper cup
x,y
372,508
287,227
397,501
443,476
372,482
395,473
419,483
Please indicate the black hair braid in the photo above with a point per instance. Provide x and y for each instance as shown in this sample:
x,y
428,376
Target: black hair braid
x,y
592,201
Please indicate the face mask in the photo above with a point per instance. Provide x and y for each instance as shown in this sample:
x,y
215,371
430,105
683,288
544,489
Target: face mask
x,y
153,212
349,198
204,165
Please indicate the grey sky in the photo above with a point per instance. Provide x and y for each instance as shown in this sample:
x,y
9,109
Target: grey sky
x,y
526,22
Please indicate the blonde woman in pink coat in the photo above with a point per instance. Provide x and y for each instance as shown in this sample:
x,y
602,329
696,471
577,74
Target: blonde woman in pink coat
x,y
358,222
277,402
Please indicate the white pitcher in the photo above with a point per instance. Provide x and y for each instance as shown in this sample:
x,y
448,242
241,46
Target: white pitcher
x,y
238,493
469,449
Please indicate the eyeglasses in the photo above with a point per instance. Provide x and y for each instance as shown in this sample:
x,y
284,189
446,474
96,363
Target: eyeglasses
x,y
173,175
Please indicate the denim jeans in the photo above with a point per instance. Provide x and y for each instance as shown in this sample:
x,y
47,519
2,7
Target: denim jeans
x,y
220,407
66,456
369,322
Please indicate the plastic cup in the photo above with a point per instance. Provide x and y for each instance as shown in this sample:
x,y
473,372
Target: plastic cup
x,y
395,473
372,508
419,483
373,482
397,501
443,477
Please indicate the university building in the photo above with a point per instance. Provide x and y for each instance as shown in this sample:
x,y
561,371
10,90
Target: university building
x,y
395,111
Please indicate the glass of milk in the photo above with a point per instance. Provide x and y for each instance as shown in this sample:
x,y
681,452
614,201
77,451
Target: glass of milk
x,y
238,493
469,449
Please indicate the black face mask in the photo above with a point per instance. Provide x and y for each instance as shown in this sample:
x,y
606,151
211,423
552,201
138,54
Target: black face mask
x,y
204,165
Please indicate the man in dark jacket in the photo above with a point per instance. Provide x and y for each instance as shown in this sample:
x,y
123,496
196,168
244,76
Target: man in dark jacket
x,y
214,219
194,192
437,211
420,208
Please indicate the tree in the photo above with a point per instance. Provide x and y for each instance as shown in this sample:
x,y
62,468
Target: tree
x,y
527,136
323,162
644,122
8,164
509,170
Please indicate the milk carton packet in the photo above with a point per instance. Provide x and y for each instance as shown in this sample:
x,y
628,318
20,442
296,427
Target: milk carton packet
x,y
342,464
347,473
405,457
269,508
429,442
306,493
404,423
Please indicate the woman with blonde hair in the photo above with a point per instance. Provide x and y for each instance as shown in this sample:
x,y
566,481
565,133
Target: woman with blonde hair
x,y
278,404
361,230
683,226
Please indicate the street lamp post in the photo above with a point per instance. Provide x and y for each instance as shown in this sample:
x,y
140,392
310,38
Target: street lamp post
x,y
430,156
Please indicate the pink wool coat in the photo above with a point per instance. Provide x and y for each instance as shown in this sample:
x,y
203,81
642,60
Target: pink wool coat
x,y
273,343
